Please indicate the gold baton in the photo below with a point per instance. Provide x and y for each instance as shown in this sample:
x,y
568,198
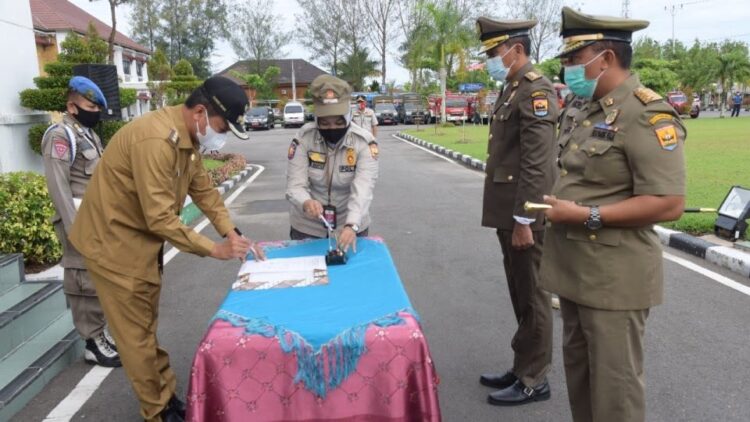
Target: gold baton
x,y
533,206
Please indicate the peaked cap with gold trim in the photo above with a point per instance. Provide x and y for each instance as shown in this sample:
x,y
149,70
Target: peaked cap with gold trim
x,y
493,33
580,30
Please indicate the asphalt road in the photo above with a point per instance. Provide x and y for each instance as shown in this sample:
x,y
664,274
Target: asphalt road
x,y
428,211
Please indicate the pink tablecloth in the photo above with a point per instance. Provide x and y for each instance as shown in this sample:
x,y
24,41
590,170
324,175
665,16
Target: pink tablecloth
x,y
240,377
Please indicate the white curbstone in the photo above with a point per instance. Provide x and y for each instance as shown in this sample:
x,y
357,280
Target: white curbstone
x,y
732,259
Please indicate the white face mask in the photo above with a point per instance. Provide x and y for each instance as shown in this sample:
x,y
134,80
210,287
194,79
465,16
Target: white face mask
x,y
212,140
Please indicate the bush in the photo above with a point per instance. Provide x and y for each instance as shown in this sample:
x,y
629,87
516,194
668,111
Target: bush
x,y
25,211
233,164
105,129
50,99
45,82
127,97
59,69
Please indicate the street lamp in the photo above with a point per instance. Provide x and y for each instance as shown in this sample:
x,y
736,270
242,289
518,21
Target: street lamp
x,y
733,212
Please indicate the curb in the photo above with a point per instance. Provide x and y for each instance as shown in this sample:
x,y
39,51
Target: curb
x,y
723,256
190,212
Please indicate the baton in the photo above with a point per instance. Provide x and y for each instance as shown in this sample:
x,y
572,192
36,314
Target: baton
x,y
533,206
701,210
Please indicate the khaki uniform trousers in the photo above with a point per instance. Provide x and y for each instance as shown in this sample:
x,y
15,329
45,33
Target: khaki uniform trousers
x,y
603,355
132,310
532,342
88,317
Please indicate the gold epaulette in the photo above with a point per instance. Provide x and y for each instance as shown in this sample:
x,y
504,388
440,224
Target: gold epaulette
x,y
646,95
532,76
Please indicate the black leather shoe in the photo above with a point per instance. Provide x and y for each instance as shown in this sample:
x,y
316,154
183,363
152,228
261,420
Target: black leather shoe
x,y
170,415
496,380
518,394
178,405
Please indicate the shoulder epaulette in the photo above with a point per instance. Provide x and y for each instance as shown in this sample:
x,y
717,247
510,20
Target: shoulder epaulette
x,y
173,136
532,76
646,95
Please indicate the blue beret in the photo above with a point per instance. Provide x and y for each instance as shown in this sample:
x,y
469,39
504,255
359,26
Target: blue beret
x,y
88,89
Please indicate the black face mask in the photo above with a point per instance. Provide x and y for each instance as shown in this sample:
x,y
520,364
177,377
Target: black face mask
x,y
87,118
333,136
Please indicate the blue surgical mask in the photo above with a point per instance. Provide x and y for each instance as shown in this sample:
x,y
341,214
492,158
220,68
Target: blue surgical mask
x,y
575,79
496,68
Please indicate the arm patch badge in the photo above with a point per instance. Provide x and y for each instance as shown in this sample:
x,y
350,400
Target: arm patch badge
x,y
541,106
61,148
667,136
292,149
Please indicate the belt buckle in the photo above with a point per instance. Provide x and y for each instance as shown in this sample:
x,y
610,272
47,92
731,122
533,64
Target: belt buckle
x,y
528,391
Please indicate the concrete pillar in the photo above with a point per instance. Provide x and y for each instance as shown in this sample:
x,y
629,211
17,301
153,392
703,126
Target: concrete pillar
x,y
18,74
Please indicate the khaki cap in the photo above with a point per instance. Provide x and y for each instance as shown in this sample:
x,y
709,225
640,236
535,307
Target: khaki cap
x,y
330,96
493,33
580,30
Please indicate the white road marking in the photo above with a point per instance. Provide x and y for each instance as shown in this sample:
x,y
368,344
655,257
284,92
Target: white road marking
x,y
72,403
708,273
677,260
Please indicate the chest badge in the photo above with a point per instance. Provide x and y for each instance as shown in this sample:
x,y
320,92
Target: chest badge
x,y
192,157
351,157
611,116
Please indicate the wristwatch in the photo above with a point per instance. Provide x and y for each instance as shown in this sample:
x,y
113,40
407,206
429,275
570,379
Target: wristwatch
x,y
594,221
353,227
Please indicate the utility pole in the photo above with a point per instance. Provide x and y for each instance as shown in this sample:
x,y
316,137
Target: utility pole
x,y
673,9
626,8
294,84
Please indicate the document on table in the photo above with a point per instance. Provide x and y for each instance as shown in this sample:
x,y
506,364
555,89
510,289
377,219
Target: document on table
x,y
281,273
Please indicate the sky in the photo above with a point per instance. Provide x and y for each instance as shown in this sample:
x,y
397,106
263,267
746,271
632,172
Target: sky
x,y
709,20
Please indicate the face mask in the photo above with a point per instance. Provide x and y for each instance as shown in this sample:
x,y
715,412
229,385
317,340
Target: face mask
x,y
212,140
333,136
496,68
575,78
87,118
361,106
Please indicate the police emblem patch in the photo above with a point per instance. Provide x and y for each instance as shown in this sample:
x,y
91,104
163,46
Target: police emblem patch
x,y
667,136
61,148
374,150
351,157
292,149
541,106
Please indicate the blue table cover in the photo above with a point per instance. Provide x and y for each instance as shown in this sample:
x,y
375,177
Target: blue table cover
x,y
324,325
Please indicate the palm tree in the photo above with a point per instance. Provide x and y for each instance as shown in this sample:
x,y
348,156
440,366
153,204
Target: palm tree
x,y
356,67
731,67
447,34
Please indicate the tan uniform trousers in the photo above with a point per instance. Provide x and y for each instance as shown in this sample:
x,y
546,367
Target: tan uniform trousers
x,y
132,310
532,342
88,317
603,355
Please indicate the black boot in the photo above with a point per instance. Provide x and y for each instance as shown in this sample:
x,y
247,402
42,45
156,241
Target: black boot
x,y
170,415
178,405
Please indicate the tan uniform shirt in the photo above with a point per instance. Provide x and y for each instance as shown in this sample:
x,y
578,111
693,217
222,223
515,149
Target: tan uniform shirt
x,y
349,172
628,143
522,150
133,202
69,164
365,119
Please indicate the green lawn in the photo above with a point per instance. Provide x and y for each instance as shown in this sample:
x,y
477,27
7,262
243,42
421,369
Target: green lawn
x,y
210,164
718,156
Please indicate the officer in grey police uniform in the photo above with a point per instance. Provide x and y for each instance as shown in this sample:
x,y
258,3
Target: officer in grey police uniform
x,y
71,150
364,117
332,169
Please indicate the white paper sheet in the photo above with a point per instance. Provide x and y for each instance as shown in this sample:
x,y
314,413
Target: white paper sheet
x,y
281,273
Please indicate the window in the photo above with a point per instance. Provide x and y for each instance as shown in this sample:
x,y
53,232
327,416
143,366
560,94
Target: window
x,y
139,70
126,68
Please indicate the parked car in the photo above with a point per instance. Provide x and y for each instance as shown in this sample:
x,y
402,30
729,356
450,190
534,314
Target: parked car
x,y
386,114
679,101
695,110
413,112
259,118
294,114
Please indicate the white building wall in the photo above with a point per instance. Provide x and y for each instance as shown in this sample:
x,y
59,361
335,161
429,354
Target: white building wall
x,y
18,37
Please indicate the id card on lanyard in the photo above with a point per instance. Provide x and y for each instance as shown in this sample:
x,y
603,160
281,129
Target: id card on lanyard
x,y
329,211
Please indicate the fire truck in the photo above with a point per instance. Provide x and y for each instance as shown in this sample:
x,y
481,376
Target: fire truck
x,y
458,107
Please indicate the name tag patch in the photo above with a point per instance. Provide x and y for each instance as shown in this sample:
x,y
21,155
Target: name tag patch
x,y
347,169
604,131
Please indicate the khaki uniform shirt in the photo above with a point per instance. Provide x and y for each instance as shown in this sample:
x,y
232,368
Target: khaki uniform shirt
x,y
133,202
365,119
628,143
349,172
69,163
522,150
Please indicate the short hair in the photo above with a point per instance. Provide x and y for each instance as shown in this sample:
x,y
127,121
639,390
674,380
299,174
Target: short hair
x,y
623,51
525,42
198,96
